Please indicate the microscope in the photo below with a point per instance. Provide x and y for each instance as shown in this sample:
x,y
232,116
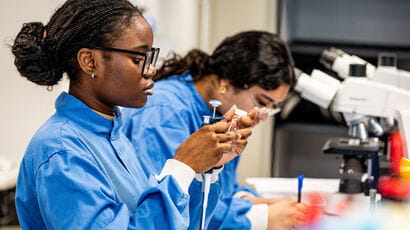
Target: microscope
x,y
386,71
360,98
362,101
338,61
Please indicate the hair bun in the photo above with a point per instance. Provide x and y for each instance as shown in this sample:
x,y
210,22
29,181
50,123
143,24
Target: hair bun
x,y
34,56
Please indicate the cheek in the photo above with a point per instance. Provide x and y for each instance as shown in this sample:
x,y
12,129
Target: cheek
x,y
243,102
246,102
124,85
126,74
247,107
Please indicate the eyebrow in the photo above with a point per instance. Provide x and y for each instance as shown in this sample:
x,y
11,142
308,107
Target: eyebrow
x,y
268,98
142,47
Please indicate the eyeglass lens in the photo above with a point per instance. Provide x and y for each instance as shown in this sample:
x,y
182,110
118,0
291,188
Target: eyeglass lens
x,y
151,58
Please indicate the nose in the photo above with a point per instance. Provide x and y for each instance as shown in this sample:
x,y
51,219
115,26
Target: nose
x,y
151,72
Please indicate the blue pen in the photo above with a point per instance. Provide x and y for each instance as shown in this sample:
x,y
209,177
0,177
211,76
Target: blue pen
x,y
300,185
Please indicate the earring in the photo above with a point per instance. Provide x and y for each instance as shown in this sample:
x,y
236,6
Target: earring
x,y
222,90
92,75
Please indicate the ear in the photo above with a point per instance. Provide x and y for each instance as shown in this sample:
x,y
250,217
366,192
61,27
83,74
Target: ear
x,y
223,86
86,60
223,83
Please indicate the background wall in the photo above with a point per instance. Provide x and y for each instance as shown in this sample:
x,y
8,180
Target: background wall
x,y
175,23
24,106
228,17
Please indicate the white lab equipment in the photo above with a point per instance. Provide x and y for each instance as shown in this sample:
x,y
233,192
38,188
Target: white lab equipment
x,y
339,61
359,99
386,71
279,187
318,88
8,173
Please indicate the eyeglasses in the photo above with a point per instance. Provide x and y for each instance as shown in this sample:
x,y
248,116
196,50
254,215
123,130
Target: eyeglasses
x,y
265,112
151,57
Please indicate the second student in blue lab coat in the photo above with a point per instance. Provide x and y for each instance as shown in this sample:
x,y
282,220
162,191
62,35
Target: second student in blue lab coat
x,y
250,69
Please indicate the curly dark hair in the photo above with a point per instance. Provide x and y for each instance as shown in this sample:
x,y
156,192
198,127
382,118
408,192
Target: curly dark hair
x,y
44,53
245,59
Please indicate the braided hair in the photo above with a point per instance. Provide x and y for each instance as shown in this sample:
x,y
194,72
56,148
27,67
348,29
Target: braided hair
x,y
44,52
245,59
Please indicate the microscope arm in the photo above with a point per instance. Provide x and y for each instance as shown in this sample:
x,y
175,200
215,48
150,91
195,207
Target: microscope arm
x,y
360,97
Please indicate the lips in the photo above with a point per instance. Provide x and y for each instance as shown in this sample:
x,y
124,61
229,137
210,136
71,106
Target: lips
x,y
148,90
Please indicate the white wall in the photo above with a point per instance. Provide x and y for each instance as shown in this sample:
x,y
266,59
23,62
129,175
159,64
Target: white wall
x,y
24,106
227,17
177,23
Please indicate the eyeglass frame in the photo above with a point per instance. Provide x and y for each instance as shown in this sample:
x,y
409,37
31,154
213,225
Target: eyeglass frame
x,y
264,110
145,68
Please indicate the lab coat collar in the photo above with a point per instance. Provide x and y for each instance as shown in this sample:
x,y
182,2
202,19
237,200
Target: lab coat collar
x,y
71,107
200,103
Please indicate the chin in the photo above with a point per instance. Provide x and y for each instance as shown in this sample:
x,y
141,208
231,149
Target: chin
x,y
140,104
136,103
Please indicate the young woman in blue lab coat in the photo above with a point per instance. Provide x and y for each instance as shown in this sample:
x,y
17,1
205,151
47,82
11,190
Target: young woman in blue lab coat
x,y
250,69
79,170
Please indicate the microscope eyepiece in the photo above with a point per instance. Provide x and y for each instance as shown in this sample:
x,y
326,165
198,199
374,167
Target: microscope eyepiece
x,y
328,58
357,70
387,59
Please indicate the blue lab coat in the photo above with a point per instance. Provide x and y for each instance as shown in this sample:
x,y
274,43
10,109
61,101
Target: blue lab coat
x,y
172,114
80,172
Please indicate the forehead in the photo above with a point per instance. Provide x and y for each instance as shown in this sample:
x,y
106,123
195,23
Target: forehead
x,y
278,94
138,34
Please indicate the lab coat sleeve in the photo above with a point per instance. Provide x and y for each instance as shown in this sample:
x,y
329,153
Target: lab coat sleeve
x,y
181,172
258,216
214,175
74,194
